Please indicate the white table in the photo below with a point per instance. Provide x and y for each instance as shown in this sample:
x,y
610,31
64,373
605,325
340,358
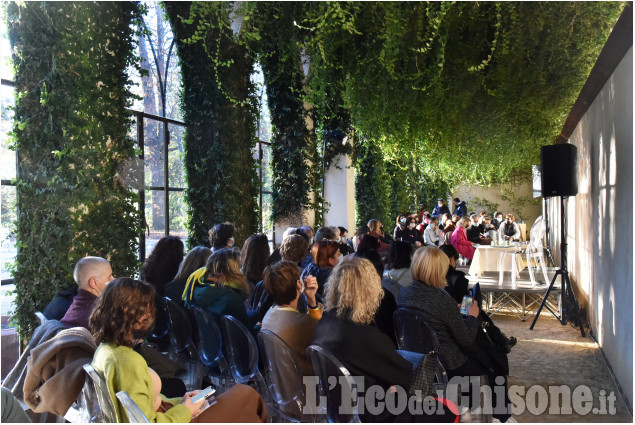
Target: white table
x,y
497,258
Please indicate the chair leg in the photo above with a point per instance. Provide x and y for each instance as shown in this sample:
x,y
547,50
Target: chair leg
x,y
544,270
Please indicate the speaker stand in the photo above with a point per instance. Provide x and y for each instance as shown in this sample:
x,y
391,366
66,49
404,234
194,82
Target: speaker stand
x,y
568,301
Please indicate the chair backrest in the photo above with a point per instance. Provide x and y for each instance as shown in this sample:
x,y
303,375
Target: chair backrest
x,y
335,381
413,333
107,409
209,341
180,329
241,349
283,374
41,317
135,415
536,235
160,333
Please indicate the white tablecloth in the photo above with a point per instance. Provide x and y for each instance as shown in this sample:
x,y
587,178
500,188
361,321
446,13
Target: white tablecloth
x,y
486,259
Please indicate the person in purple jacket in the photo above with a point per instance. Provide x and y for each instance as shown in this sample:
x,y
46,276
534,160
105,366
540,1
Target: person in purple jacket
x,y
92,274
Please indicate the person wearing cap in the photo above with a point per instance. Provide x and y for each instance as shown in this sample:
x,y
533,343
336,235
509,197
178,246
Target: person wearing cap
x,y
460,208
440,209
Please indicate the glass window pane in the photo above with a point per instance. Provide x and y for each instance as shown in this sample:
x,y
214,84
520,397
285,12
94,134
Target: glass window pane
x,y
176,156
267,176
267,223
155,212
7,156
153,152
178,214
8,249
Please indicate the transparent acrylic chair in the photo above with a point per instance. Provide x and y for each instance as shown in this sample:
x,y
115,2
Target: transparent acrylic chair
x,y
182,346
336,384
210,349
135,415
104,409
283,376
242,354
414,334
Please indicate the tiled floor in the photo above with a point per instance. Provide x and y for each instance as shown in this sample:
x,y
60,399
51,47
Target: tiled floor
x,y
555,355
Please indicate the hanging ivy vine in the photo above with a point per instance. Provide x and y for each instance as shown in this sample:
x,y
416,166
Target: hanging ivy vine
x,y
293,162
218,102
71,135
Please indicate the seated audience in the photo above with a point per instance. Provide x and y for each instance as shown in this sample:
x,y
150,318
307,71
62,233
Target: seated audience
x,y
432,235
384,316
163,263
254,257
375,229
359,234
400,226
219,288
440,209
194,260
92,274
410,234
308,231
58,306
323,233
498,220
509,230
476,232
459,239
458,350
398,269
292,250
221,236
353,295
345,248
283,284
326,254
124,313
460,208
457,283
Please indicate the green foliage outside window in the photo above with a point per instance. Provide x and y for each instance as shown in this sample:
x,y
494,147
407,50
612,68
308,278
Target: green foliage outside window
x,y
71,138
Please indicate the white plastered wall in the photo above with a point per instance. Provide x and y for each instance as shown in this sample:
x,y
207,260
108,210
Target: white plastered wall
x,y
600,221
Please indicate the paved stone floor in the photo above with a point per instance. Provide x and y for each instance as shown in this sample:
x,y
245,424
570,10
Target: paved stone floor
x,y
554,355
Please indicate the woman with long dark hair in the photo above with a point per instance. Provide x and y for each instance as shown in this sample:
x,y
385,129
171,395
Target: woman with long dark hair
x,y
194,260
124,313
254,257
163,263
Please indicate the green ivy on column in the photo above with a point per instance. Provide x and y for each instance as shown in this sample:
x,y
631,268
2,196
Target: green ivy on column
x,y
218,102
74,197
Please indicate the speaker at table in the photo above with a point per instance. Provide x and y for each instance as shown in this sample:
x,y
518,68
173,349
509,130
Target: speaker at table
x,y
559,170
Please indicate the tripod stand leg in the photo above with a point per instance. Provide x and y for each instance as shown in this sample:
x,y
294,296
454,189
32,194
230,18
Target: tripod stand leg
x,y
544,299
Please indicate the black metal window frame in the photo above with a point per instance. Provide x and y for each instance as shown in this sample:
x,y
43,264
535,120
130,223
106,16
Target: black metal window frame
x,y
264,192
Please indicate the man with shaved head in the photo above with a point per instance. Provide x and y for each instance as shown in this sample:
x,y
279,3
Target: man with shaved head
x,y
92,274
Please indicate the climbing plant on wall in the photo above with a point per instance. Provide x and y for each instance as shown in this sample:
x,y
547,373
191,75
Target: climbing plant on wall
x,y
218,103
372,190
71,136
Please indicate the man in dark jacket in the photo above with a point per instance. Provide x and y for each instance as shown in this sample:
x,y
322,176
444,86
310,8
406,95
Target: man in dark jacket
x,y
460,208
440,209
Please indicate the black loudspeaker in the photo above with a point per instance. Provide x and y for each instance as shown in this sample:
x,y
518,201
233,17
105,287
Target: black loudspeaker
x,y
559,170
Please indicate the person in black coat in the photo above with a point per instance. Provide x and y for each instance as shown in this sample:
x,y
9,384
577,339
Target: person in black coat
x,y
353,294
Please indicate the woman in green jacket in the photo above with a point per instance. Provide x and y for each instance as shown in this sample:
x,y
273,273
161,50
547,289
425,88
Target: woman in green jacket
x,y
123,313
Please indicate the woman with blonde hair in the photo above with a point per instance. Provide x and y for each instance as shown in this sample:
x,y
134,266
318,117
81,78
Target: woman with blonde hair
x,y
459,239
456,334
219,288
352,296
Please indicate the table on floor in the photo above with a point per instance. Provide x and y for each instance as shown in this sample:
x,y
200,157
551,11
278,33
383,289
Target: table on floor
x,y
489,258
